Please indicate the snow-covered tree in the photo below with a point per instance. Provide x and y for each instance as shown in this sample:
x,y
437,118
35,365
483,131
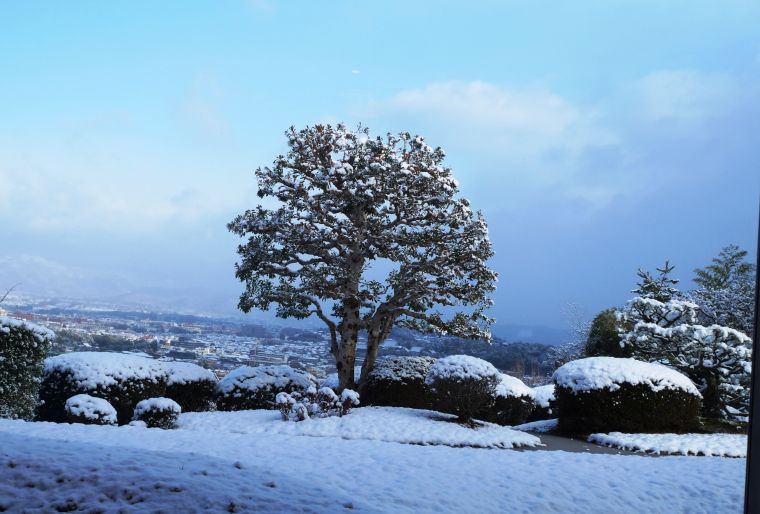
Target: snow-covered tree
x,y
726,295
716,358
349,206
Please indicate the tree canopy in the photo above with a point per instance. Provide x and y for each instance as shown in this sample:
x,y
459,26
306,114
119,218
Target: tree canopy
x,y
347,207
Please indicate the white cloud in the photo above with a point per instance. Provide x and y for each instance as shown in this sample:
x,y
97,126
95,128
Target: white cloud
x,y
522,136
687,95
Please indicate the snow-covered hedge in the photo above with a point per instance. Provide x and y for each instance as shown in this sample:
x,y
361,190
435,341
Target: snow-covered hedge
x,y
157,413
315,404
23,347
121,379
546,403
256,387
462,385
190,385
511,404
86,409
605,394
399,382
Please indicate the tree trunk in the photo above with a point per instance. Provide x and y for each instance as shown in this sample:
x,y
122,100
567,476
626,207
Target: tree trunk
x,y
373,344
345,361
711,405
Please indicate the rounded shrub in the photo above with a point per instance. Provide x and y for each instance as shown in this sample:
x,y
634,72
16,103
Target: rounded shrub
x,y
511,404
86,409
604,336
462,385
190,385
121,379
157,413
256,387
546,404
23,347
606,394
399,382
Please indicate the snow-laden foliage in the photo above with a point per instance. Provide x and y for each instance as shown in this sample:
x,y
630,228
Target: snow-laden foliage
x,y
158,413
346,201
718,359
83,408
315,404
543,395
266,378
665,329
90,370
257,387
610,373
23,346
402,369
726,292
185,372
190,385
122,379
462,367
510,386
463,385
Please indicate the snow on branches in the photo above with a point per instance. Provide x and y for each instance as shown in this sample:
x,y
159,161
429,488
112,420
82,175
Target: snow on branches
x,y
663,328
346,201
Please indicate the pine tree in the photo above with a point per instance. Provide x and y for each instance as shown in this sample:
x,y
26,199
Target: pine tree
x,y
726,292
346,202
716,358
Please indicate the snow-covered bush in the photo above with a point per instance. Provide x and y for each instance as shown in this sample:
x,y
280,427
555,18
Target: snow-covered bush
x,y
399,382
23,347
157,413
511,404
190,385
121,379
297,406
257,387
462,385
546,404
86,409
608,394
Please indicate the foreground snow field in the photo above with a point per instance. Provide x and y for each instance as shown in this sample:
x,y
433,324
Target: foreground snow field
x,y
713,445
221,462
396,425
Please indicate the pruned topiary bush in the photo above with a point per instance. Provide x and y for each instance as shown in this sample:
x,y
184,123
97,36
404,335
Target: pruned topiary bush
x,y
399,382
86,409
190,385
546,403
511,404
23,347
158,413
256,387
462,385
608,394
121,379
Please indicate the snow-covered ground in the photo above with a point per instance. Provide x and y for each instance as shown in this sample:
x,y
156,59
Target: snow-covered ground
x,y
219,462
544,425
389,424
715,445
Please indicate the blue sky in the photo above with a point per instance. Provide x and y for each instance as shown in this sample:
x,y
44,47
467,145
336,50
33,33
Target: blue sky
x,y
597,137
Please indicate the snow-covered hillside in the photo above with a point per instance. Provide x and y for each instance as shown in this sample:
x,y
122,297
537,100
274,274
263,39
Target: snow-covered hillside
x,y
240,462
